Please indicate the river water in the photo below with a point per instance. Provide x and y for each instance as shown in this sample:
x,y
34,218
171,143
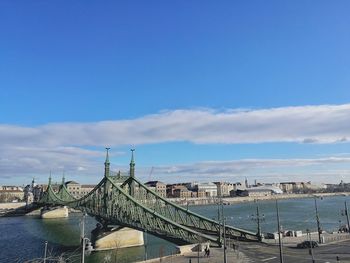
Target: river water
x,y
23,238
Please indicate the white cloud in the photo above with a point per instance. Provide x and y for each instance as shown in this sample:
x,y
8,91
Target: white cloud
x,y
67,146
323,124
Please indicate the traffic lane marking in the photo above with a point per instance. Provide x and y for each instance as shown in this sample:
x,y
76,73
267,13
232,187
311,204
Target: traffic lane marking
x,y
267,259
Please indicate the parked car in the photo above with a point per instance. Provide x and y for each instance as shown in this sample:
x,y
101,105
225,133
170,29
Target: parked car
x,y
307,244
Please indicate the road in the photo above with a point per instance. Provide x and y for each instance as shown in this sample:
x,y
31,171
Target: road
x,y
322,254
267,253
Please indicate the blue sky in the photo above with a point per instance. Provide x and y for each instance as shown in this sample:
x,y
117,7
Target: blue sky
x,y
246,85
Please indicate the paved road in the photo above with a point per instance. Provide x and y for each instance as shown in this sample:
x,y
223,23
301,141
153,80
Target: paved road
x,y
263,253
270,254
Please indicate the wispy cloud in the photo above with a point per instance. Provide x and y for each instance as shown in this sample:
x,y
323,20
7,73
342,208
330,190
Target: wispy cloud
x,y
67,146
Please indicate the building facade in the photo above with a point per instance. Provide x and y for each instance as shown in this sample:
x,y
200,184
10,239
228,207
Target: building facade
x,y
208,189
158,187
77,190
224,188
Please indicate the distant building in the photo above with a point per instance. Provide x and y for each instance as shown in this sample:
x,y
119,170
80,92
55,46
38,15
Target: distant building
x,y
78,190
181,191
86,188
252,192
11,187
32,192
170,188
291,187
206,189
158,187
73,188
11,193
224,188
314,186
341,187
301,187
258,191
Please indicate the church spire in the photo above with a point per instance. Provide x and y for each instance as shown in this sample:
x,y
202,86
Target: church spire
x,y
33,182
107,163
246,183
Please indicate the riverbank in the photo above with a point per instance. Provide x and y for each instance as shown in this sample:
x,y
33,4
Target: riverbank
x,y
20,206
230,200
244,199
12,209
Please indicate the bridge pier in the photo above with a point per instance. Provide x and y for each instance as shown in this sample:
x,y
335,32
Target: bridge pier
x,y
104,238
54,212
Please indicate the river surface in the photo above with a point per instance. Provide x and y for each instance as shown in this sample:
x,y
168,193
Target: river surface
x,y
23,238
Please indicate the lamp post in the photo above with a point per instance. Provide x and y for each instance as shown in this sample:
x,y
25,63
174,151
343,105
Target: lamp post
x,y
346,213
82,235
219,220
319,230
279,233
45,252
225,255
258,218
146,245
222,222
310,243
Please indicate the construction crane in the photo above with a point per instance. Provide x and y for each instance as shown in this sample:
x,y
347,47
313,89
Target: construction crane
x,y
150,174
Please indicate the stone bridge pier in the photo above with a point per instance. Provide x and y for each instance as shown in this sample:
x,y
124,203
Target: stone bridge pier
x,y
54,212
113,237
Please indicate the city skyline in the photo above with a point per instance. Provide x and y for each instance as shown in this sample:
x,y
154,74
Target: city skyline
x,y
204,91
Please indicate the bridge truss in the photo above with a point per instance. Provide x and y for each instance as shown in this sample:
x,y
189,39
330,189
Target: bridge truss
x,y
132,204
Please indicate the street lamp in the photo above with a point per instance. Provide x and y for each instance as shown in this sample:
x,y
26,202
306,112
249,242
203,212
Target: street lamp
x,y
258,219
310,244
45,251
346,213
319,230
279,232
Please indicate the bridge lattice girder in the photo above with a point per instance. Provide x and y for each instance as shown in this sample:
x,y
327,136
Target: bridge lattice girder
x,y
183,216
115,205
145,211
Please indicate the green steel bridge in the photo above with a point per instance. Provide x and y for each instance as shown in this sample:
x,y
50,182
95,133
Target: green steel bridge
x,y
125,201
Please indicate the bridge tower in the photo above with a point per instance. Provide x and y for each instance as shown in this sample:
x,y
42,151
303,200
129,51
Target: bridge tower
x,y
49,179
107,163
63,179
107,184
132,174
